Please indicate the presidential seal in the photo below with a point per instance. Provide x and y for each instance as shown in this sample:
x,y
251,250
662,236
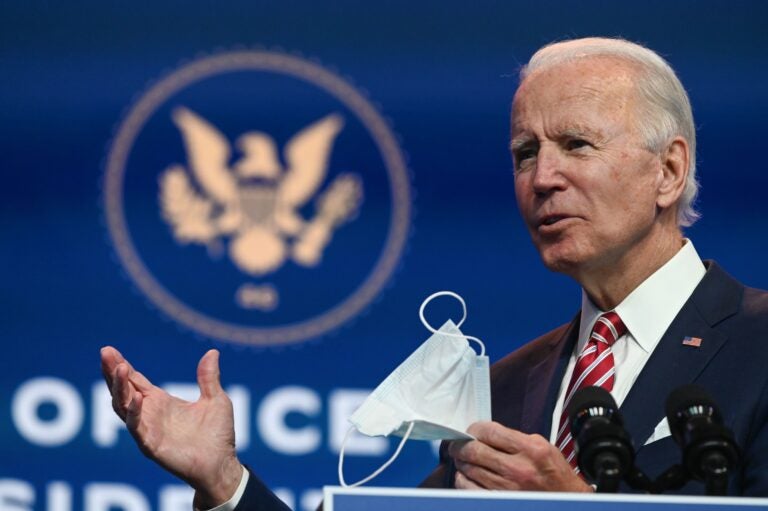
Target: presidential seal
x,y
256,197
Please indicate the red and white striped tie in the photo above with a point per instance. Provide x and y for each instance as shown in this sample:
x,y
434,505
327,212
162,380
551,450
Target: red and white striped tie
x,y
594,367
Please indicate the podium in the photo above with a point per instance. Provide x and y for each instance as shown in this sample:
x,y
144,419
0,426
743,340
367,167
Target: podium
x,y
410,499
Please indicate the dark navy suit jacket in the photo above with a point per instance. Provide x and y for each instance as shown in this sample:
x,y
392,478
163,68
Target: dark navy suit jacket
x,y
731,365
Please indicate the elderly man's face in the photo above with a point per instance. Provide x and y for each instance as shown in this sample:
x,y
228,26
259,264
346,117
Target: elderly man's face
x,y
585,185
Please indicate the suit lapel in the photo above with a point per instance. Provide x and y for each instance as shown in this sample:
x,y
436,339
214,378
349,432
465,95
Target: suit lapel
x,y
672,363
543,382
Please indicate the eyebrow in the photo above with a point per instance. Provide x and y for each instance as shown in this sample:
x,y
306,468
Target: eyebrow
x,y
576,131
571,131
520,142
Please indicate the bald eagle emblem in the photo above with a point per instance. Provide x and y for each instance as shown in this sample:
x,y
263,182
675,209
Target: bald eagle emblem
x,y
252,205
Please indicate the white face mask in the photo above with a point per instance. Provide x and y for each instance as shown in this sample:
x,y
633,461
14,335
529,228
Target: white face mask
x,y
435,394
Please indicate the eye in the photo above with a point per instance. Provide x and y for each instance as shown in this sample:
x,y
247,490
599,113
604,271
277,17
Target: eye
x,y
573,144
525,152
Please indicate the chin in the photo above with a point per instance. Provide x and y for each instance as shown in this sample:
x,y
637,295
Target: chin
x,y
560,259
564,266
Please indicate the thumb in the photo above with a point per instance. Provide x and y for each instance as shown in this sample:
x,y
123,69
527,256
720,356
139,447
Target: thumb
x,y
209,374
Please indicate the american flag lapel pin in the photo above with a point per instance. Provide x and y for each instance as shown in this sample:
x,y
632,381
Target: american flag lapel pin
x,y
692,341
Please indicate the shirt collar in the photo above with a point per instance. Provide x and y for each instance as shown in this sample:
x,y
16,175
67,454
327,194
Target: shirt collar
x,y
652,306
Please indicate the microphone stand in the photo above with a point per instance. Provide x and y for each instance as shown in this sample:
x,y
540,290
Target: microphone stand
x,y
637,480
673,478
608,476
715,468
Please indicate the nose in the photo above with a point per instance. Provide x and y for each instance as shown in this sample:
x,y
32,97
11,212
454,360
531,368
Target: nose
x,y
548,174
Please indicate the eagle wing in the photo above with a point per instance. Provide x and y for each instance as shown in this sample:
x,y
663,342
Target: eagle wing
x,y
208,153
306,156
187,212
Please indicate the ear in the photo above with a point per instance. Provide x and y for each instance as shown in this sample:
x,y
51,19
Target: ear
x,y
674,172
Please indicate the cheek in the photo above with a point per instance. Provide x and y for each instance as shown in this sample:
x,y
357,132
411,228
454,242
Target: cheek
x,y
523,194
630,188
629,214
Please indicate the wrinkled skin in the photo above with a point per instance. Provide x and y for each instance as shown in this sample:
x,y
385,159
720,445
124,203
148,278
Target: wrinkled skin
x,y
599,205
193,441
505,459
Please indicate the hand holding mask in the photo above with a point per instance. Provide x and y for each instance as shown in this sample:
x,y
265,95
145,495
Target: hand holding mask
x,y
435,394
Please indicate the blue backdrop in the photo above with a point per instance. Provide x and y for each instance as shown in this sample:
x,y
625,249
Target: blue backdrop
x,y
91,255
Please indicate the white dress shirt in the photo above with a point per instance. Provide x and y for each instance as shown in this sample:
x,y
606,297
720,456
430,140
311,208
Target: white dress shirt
x,y
647,312
235,500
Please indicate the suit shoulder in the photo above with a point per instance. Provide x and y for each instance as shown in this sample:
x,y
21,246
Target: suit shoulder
x,y
531,352
722,299
738,312
749,323
755,303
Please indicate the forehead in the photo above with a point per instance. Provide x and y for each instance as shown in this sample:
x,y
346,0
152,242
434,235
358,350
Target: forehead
x,y
581,93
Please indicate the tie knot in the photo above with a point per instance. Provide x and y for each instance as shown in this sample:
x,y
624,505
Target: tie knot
x,y
608,328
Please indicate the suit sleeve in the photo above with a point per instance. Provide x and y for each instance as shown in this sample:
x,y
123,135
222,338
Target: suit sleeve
x,y
444,473
755,455
258,497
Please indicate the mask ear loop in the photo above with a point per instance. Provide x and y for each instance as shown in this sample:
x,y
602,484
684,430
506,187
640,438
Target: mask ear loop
x,y
378,470
458,325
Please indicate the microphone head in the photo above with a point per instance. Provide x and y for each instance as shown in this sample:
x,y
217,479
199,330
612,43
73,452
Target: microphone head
x,y
591,402
689,398
697,426
604,448
688,402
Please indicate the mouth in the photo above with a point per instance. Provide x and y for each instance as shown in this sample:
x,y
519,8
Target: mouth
x,y
548,220
551,220
553,223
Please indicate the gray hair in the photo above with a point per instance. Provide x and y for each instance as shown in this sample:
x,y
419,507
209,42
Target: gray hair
x,y
666,107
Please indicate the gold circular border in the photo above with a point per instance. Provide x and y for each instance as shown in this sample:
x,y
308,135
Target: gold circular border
x,y
303,70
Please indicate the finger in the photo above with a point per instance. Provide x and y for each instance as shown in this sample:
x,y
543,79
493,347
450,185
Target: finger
x,y
457,447
110,359
473,451
209,375
138,380
462,482
133,415
122,390
517,447
480,454
499,437
485,478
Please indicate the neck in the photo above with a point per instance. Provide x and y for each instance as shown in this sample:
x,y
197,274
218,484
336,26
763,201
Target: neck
x,y
608,284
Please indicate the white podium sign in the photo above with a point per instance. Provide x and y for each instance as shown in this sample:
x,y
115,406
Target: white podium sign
x,y
407,499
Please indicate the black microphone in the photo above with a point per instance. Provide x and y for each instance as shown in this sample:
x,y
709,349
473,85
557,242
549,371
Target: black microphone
x,y
709,451
604,448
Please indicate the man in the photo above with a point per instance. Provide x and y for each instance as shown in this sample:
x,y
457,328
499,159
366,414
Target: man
x,y
603,144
